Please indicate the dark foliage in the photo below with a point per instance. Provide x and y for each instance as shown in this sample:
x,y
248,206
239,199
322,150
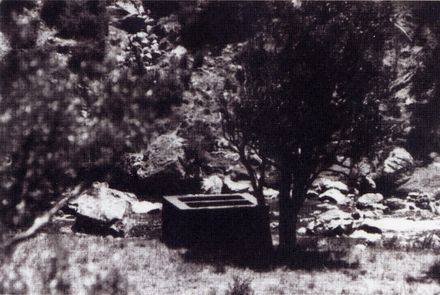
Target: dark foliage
x,y
59,128
163,8
310,93
219,22
424,135
78,19
18,24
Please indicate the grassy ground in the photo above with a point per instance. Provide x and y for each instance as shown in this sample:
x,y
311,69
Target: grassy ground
x,y
79,264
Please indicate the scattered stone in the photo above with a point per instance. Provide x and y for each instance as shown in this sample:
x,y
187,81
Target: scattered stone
x,y
371,214
356,215
302,231
270,193
412,196
326,206
369,237
326,184
369,227
395,203
338,227
369,201
423,202
144,207
334,196
237,186
334,214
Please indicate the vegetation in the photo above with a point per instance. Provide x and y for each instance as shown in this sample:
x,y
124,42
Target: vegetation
x,y
296,89
311,88
68,122
90,263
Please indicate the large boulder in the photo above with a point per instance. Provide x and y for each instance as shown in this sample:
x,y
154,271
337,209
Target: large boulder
x,y
163,169
397,167
103,211
165,163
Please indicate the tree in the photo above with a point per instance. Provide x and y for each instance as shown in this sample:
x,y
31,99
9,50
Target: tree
x,y
68,119
309,95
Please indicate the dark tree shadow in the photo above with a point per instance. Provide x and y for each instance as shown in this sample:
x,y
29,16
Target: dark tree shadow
x,y
304,259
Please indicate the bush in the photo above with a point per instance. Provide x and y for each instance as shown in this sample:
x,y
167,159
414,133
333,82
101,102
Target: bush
x,y
240,287
18,25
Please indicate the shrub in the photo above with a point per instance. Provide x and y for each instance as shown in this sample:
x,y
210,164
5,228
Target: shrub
x,y
18,25
434,271
112,283
240,286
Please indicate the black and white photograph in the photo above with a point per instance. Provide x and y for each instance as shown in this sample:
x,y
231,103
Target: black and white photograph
x,y
219,147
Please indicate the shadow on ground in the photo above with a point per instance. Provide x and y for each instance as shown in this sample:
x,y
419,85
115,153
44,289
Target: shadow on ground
x,y
303,259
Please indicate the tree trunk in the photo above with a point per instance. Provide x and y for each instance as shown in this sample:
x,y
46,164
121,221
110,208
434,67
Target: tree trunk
x,y
291,196
287,222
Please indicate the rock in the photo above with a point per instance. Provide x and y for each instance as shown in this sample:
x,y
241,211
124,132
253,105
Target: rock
x,y
141,36
130,7
301,231
326,206
238,172
369,201
334,196
164,162
100,204
423,202
398,167
395,203
270,193
369,226
132,162
334,214
168,27
237,186
338,227
332,222
312,194
178,56
369,237
104,211
144,207
326,184
212,185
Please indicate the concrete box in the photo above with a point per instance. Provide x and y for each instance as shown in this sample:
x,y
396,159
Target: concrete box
x,y
224,221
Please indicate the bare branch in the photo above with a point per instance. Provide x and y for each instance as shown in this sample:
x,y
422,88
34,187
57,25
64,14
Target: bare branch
x,y
404,32
42,220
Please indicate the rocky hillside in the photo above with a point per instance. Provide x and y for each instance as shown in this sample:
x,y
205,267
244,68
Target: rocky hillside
x,y
163,65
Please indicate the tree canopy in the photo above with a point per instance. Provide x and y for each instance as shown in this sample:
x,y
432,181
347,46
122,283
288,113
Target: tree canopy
x,y
310,92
